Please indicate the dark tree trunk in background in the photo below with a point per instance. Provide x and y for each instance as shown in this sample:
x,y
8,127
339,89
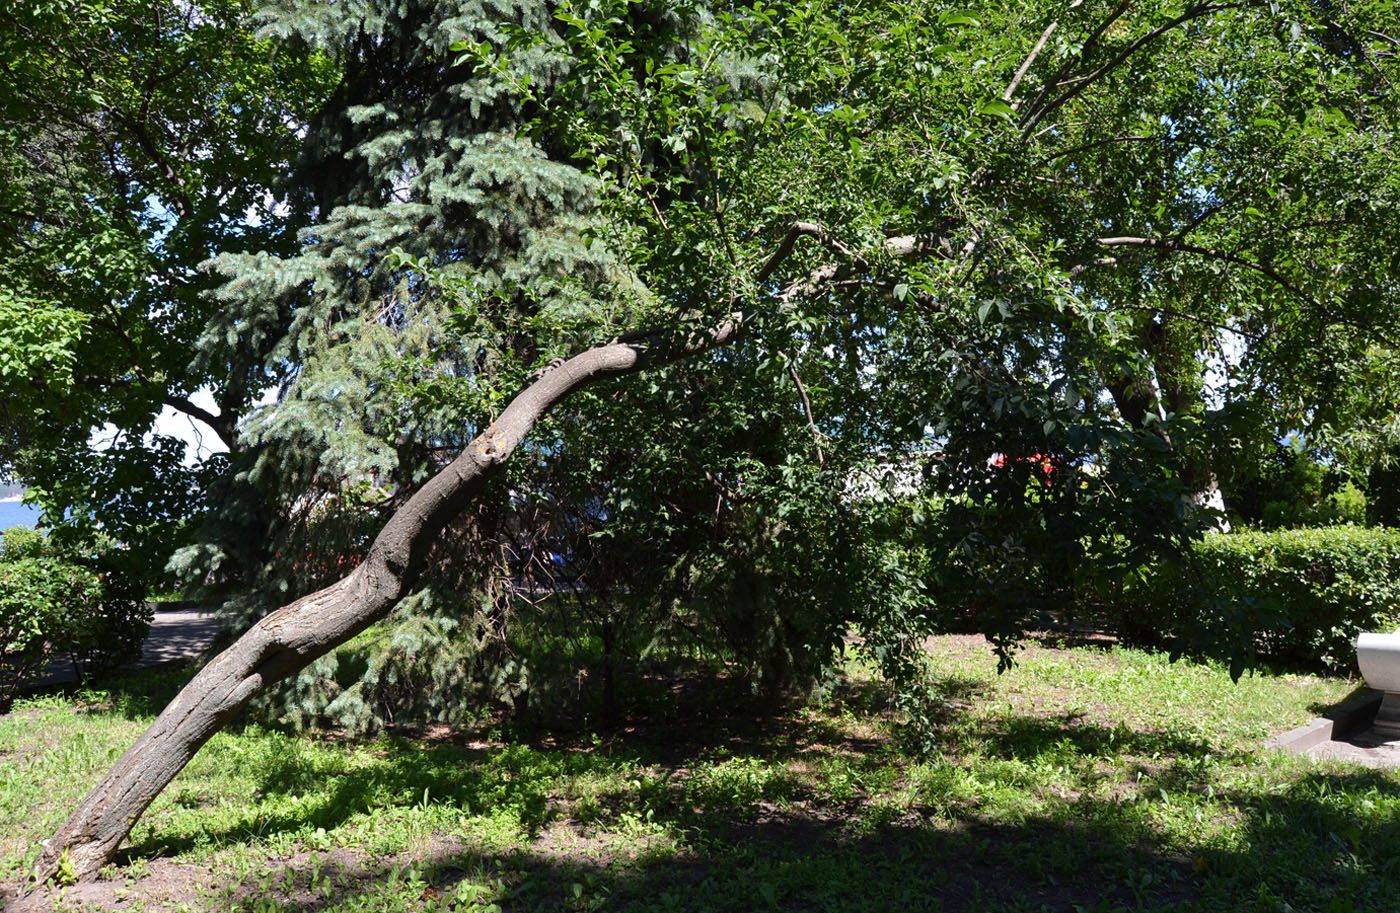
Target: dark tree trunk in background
x,y
609,667
1139,397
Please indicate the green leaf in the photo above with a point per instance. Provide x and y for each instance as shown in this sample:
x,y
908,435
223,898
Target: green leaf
x,y
997,108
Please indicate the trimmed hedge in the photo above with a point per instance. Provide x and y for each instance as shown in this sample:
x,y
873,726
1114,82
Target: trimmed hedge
x,y
51,608
1297,597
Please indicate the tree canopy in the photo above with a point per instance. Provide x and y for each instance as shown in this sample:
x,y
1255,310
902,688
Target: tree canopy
x,y
140,139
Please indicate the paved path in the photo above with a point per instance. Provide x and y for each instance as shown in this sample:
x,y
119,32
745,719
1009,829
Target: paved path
x,y
1344,733
1365,748
176,636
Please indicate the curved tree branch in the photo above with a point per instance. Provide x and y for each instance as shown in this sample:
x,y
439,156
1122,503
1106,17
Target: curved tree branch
x,y
224,425
1222,256
1089,45
797,230
296,634
807,408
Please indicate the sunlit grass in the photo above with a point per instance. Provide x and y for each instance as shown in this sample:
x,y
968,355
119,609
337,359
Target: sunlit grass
x,y
1082,779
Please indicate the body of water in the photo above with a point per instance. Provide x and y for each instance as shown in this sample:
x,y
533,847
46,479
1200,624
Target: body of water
x,y
13,513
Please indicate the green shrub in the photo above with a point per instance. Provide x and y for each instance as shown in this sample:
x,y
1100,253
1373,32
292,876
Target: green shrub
x,y
1296,596
24,542
51,608
1345,505
1289,488
112,635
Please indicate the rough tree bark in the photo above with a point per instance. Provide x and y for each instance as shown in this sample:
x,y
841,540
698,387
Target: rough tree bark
x,y
1167,391
296,634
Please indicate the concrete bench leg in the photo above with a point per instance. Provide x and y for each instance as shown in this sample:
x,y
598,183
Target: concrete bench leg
x,y
1387,724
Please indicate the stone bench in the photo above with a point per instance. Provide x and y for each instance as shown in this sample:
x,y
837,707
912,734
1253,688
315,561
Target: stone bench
x,y
1378,655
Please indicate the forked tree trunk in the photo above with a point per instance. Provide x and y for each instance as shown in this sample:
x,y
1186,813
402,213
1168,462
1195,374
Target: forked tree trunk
x,y
296,634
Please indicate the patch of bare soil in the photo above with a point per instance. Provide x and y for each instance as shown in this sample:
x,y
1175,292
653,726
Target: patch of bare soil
x,y
15,757
165,883
307,880
569,841
958,645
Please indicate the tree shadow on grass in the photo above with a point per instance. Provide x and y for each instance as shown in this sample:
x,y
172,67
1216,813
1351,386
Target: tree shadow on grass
x,y
471,781
1303,848
525,778
660,839
1318,842
1328,841
780,865
1030,737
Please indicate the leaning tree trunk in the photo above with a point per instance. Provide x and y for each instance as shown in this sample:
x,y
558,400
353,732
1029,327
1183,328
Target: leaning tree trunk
x,y
296,634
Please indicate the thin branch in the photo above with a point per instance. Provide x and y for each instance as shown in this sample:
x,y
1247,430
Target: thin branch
x,y
222,425
1084,147
657,209
1195,12
900,247
1182,315
1089,44
1044,130
180,197
807,408
114,324
1361,49
1030,58
1210,211
181,404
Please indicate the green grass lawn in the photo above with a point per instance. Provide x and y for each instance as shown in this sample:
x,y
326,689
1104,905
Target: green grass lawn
x,y
1085,779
